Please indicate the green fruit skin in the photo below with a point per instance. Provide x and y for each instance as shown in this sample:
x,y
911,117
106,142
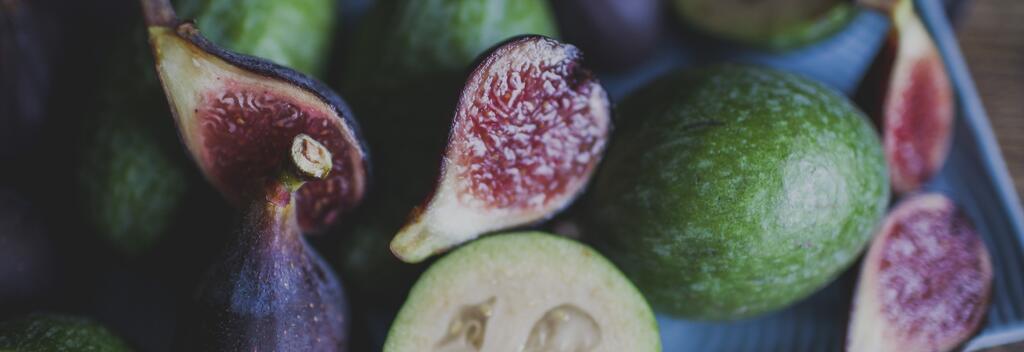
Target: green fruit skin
x,y
57,333
409,62
787,34
734,191
293,33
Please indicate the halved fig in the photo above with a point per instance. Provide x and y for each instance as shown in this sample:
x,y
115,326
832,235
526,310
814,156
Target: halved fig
x,y
272,291
527,292
909,95
234,112
529,129
925,282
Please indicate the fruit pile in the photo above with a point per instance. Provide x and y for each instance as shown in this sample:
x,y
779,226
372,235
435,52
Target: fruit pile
x,y
214,167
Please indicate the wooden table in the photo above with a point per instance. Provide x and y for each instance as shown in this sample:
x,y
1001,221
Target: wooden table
x,y
991,35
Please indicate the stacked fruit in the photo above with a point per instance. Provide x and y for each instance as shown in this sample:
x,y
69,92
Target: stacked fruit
x,y
721,193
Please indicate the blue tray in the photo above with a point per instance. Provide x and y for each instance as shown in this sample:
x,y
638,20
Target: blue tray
x,y
975,176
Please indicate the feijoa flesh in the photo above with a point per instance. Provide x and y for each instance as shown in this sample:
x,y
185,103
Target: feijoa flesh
x,y
529,130
524,292
732,191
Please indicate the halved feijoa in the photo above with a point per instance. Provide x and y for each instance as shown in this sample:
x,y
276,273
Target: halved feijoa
x,y
524,292
529,129
925,283
909,95
236,112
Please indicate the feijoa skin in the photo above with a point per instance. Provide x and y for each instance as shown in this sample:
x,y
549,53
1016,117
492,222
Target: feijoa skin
x,y
733,191
294,33
767,24
57,333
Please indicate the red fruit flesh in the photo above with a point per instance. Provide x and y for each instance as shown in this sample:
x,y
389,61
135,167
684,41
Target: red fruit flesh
x,y
916,106
530,128
244,127
925,283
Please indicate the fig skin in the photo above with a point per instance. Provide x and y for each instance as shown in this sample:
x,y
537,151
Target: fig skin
x,y
615,34
28,255
29,47
909,95
758,188
58,333
272,290
926,258
295,33
418,53
213,103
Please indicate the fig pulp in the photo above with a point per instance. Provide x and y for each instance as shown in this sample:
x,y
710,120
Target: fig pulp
x,y
58,333
529,129
234,112
925,282
528,292
272,291
909,95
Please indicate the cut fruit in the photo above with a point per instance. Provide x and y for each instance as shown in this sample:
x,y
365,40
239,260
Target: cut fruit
x,y
769,24
529,129
234,112
925,283
909,94
524,292
273,291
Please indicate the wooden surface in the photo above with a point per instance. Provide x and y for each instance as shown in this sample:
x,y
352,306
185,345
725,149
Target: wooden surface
x,y
991,35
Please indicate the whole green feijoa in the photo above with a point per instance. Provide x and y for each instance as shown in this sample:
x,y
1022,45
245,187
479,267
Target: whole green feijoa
x,y
57,333
769,24
293,33
734,191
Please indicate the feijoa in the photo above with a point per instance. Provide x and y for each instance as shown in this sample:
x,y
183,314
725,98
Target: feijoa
x,y
524,292
733,191
770,24
57,333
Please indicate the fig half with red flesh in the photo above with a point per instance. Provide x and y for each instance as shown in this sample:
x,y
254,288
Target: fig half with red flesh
x,y
925,282
910,96
235,112
529,129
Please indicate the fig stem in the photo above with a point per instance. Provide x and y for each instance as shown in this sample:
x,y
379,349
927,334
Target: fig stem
x,y
308,160
159,13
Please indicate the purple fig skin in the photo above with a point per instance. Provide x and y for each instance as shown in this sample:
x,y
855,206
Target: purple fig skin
x,y
272,291
615,34
925,283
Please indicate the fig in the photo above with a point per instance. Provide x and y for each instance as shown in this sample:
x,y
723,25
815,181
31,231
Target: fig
x,y
925,283
273,291
29,44
615,34
768,24
234,112
524,292
295,34
529,129
57,333
908,93
758,188
28,257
